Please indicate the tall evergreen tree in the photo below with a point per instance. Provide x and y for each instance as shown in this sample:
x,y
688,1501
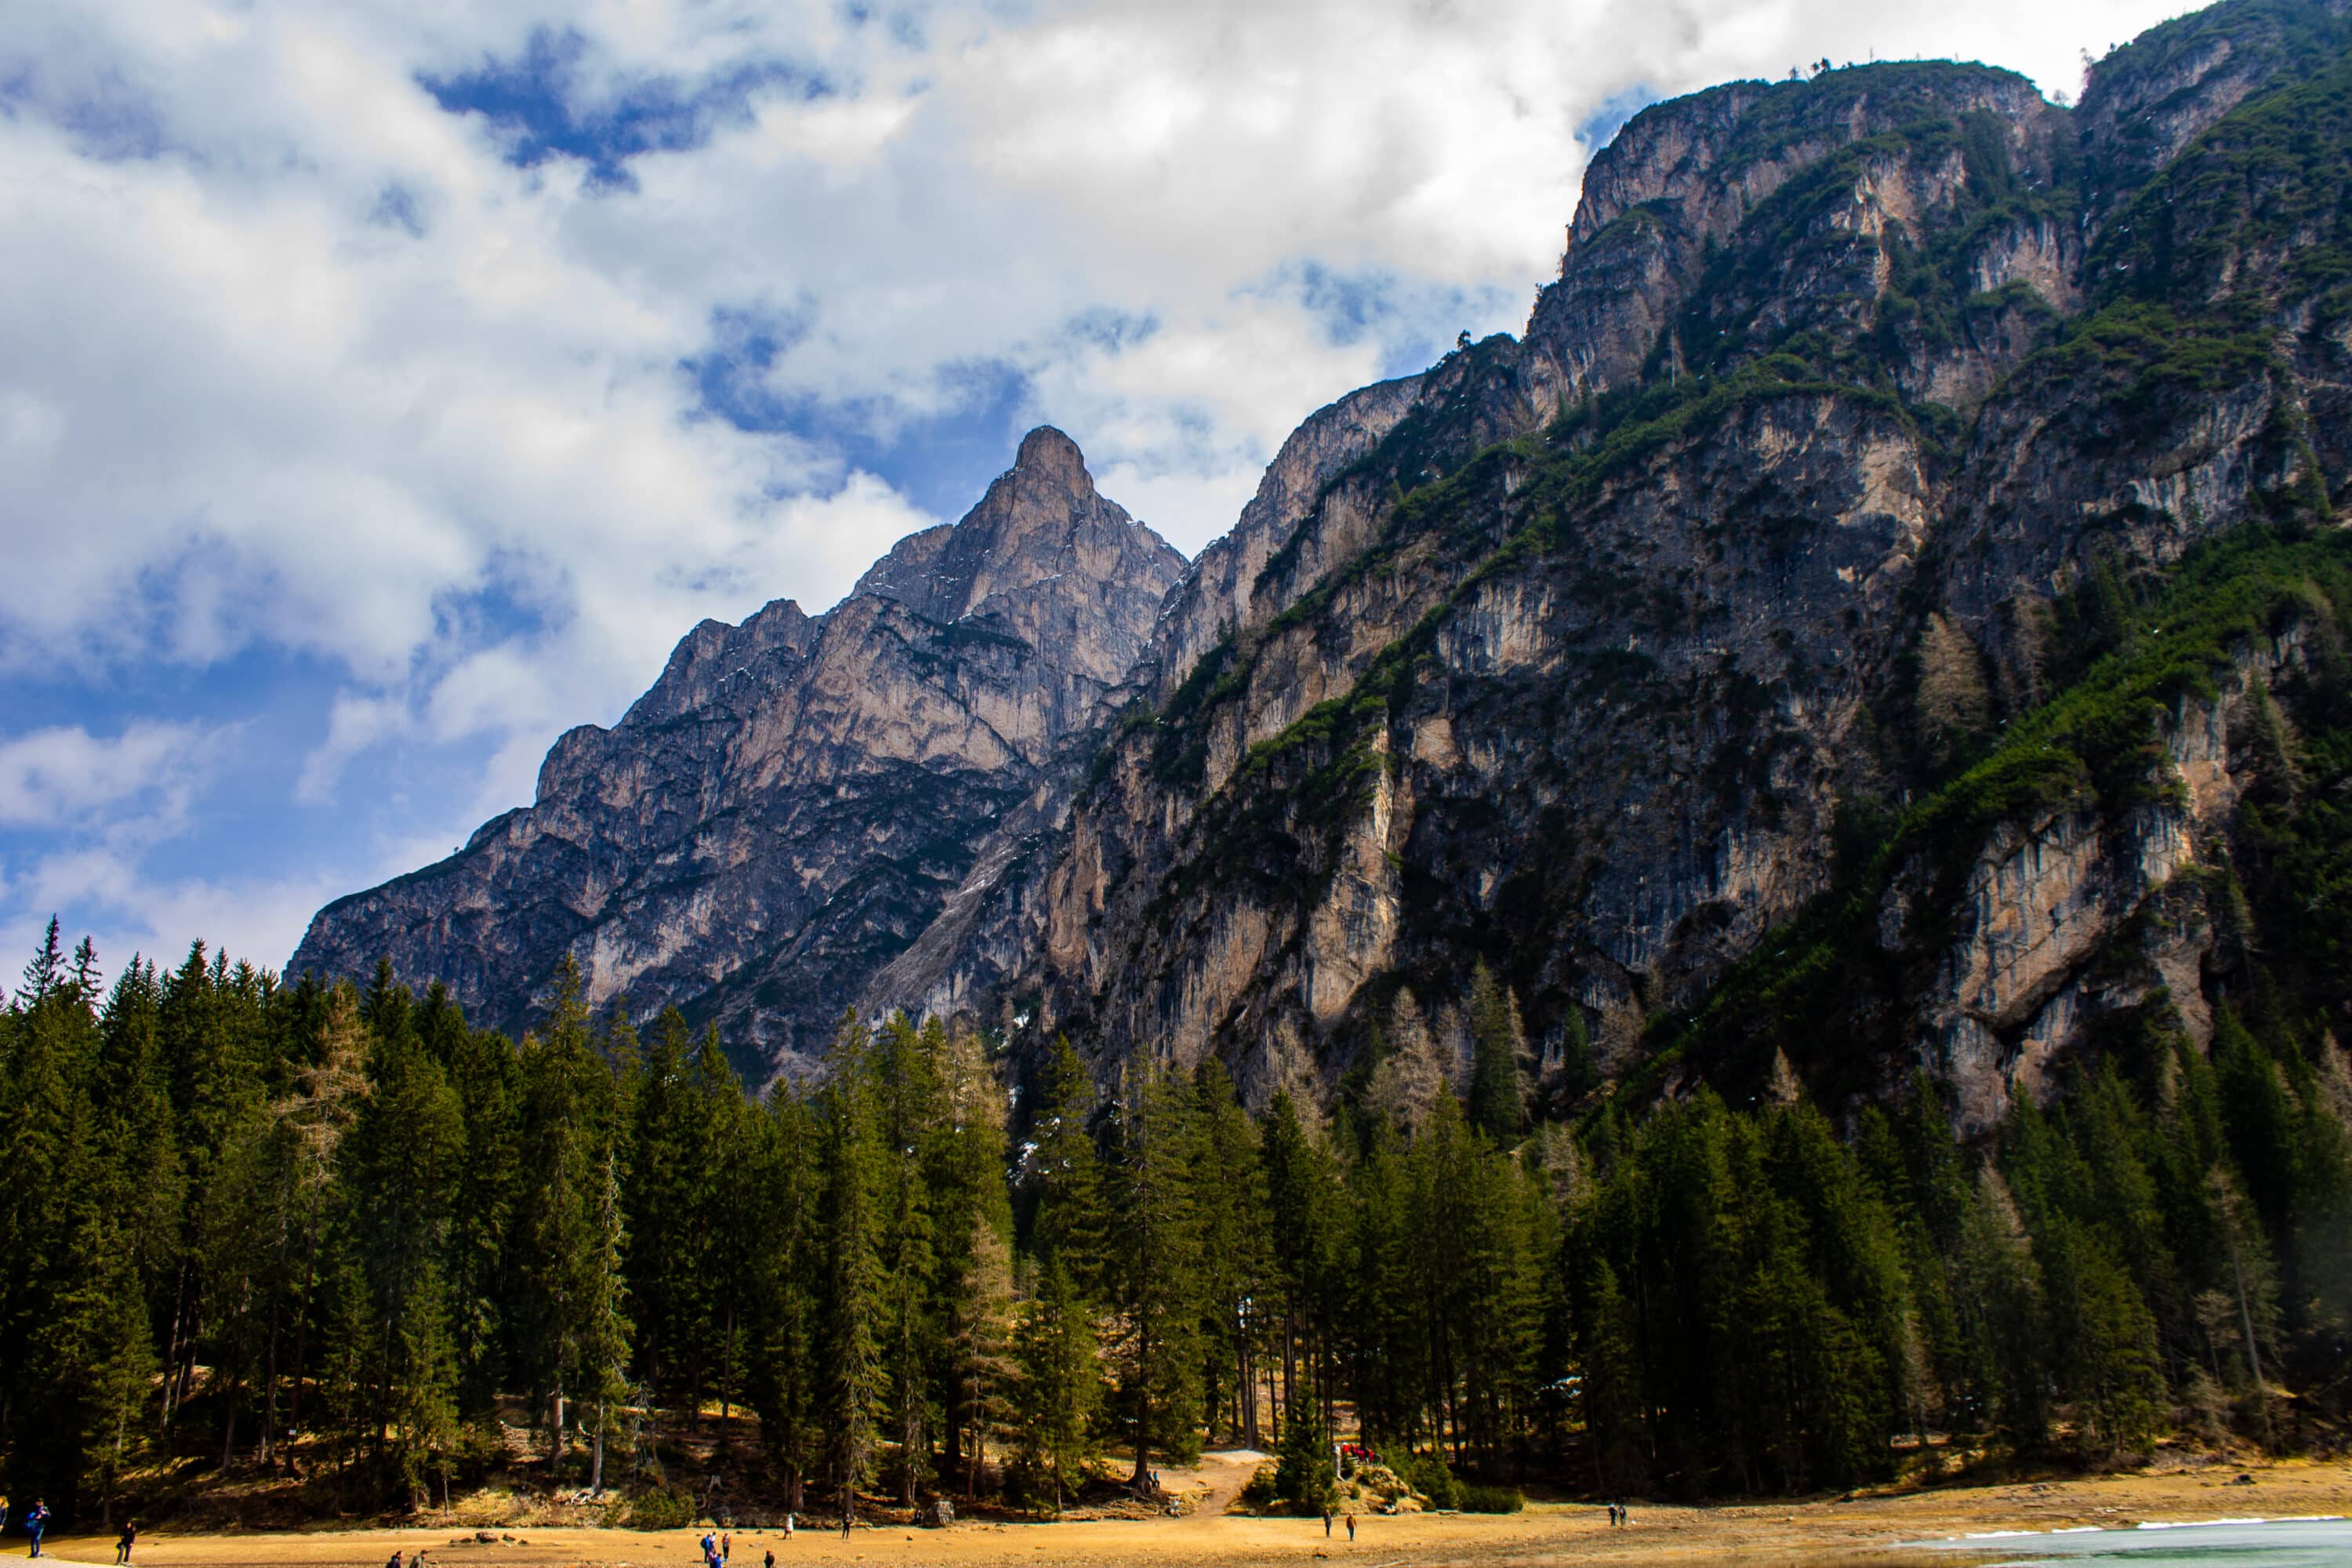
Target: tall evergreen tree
x,y
1155,1264
1497,1041
853,1393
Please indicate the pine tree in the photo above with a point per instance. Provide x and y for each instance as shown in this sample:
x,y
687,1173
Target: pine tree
x,y
854,1388
1497,1041
562,1325
973,1215
1062,1175
1156,1270
1061,1382
784,1381
903,1070
1235,1250
673,1165
398,1166
1304,1233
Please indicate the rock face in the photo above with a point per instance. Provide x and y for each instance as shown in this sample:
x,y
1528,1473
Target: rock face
x,y
1760,664
1574,653
790,802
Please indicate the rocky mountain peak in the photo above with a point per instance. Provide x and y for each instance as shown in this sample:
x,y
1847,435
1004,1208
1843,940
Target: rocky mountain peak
x,y
1047,451
789,803
1044,556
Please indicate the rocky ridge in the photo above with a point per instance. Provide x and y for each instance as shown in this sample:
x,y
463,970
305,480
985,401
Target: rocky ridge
x,y
1880,616
793,798
1588,664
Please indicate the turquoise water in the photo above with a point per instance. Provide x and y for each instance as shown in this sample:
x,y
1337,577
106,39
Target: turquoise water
x,y
2226,1543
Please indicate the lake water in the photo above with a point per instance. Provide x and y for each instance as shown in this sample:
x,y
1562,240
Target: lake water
x,y
2224,1543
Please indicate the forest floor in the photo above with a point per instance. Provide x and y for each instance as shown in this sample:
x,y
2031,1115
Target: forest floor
x,y
1886,1531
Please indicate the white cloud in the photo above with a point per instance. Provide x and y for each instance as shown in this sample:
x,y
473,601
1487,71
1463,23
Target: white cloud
x,y
63,776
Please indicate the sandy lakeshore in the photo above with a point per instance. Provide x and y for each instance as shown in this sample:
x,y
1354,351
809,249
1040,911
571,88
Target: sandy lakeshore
x,y
1866,1530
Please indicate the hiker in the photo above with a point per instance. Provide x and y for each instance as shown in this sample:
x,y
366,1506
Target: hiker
x,y
726,1546
846,1517
1351,1527
37,1521
1327,1522
122,1542
396,1560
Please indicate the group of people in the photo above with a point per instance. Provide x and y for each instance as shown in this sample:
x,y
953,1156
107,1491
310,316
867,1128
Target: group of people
x,y
37,1522
36,1525
1326,1525
1620,1514
717,1550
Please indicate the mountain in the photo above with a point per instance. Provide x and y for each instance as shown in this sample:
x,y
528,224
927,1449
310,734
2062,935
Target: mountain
x,y
1884,615
1848,633
795,796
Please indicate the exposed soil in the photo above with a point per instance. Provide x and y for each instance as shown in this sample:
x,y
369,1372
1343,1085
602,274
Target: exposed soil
x,y
1866,1530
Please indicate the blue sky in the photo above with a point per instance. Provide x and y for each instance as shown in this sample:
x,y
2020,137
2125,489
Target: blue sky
x,y
389,384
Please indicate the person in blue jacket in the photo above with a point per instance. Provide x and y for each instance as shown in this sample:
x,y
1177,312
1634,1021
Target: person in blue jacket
x,y
37,1521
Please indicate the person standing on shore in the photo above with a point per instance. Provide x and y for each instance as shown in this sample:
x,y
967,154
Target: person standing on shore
x,y
122,1541
1351,1527
37,1521
4,1512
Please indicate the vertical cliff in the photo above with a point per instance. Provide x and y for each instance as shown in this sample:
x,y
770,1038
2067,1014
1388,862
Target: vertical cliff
x,y
1615,655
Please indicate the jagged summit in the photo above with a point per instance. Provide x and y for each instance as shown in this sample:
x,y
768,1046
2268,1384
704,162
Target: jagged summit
x,y
1040,556
785,807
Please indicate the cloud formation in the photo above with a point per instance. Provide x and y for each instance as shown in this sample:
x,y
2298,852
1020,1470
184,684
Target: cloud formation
x,y
470,353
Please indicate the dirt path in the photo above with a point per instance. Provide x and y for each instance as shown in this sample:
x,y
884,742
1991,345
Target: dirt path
x,y
1822,1532
1212,1486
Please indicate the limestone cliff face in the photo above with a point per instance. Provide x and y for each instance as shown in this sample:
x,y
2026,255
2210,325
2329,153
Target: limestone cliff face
x,y
1741,662
794,798
1578,654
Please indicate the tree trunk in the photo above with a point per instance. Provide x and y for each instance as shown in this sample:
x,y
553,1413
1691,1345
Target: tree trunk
x,y
596,1466
172,1359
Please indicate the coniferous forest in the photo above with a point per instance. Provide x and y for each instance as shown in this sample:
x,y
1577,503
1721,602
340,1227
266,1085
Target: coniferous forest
x,y
260,1229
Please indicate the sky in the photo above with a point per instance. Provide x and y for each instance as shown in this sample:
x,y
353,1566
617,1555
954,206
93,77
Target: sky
x,y
385,386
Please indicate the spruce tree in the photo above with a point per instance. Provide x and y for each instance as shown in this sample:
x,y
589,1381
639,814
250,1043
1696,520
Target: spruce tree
x,y
1236,1255
1062,1176
562,1329
1156,1263
1497,1041
853,1389
1061,1382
